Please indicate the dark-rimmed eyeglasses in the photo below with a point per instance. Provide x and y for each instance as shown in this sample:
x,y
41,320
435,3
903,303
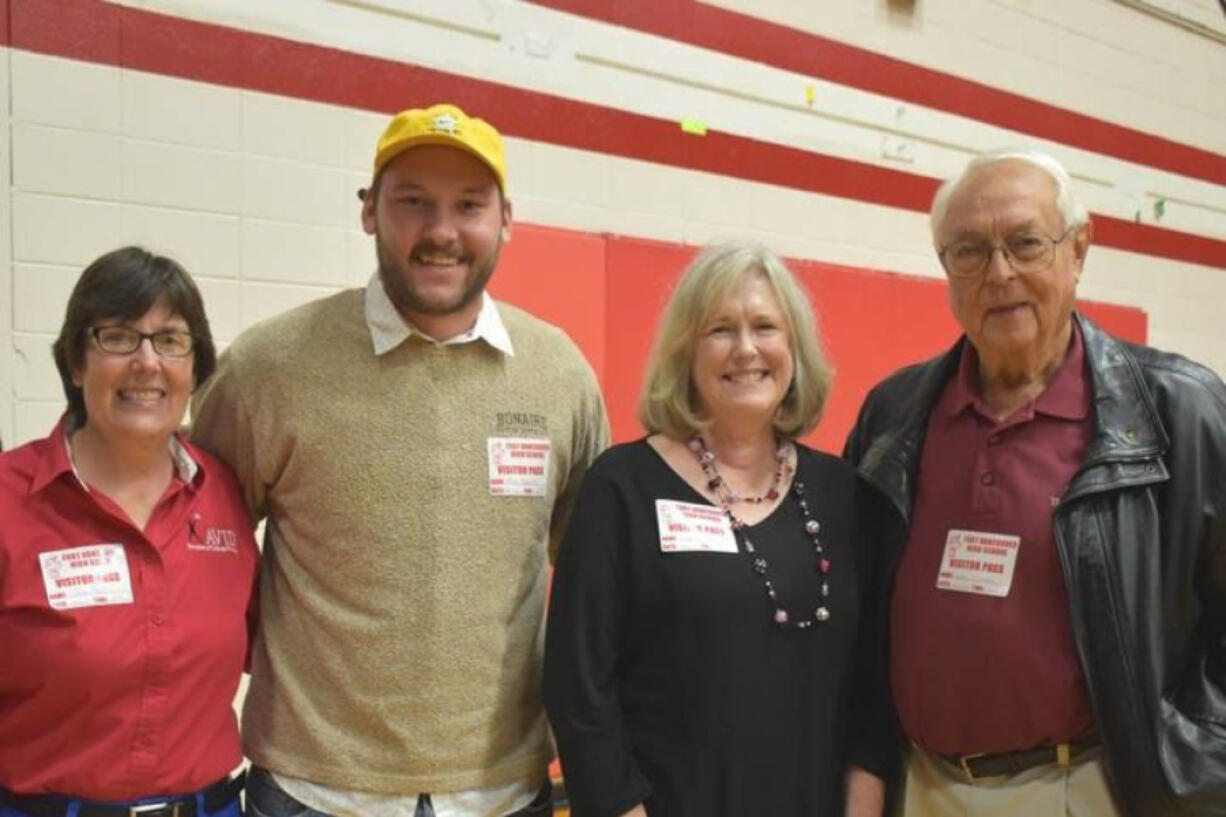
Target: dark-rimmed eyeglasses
x,y
123,340
1026,252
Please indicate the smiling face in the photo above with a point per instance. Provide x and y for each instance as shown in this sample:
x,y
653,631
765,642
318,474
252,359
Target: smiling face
x,y
1014,320
743,364
139,395
439,222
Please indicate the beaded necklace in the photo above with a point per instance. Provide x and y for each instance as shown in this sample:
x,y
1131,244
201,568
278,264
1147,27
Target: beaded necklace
x,y
728,497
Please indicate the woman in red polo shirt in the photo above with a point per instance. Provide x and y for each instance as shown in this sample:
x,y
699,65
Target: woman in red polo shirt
x,y
127,568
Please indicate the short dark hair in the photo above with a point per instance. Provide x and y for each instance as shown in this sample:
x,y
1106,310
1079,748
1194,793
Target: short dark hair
x,y
125,284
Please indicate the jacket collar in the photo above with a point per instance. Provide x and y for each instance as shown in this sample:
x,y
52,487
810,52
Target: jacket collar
x,y
1129,437
1126,424
891,459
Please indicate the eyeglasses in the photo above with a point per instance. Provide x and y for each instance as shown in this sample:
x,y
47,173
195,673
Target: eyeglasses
x,y
1025,252
121,340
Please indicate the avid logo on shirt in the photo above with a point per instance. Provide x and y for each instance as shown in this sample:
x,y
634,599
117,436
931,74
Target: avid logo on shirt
x,y
210,539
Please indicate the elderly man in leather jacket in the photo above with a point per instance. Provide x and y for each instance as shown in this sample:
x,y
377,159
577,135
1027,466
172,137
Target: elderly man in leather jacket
x,y
1058,611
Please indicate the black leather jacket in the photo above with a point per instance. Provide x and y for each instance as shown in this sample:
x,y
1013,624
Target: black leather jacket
x,y
1141,534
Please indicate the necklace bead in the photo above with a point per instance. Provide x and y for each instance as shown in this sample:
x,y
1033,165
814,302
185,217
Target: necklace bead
x,y
728,497
719,486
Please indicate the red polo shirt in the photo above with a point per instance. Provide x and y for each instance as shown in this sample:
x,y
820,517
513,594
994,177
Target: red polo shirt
x,y
975,672
114,687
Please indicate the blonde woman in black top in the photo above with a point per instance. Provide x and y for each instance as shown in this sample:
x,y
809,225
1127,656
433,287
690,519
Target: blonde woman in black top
x,y
713,646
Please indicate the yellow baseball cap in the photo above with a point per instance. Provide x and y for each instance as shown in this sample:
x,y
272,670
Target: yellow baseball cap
x,y
443,124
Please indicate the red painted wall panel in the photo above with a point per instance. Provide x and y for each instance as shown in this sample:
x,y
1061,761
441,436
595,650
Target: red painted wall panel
x,y
1121,321
872,322
641,275
558,275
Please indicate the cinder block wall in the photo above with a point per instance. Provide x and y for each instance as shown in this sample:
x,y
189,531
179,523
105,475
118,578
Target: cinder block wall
x,y
232,134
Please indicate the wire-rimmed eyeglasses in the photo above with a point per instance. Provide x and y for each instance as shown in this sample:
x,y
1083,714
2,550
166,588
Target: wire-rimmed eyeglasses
x,y
1026,251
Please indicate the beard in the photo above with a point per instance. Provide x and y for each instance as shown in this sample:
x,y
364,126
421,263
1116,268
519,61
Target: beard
x,y
403,293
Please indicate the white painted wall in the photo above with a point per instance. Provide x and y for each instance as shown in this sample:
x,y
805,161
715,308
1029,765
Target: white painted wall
x,y
8,362
1102,58
255,193
1037,48
103,157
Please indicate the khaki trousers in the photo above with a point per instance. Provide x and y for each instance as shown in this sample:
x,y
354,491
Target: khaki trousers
x,y
936,789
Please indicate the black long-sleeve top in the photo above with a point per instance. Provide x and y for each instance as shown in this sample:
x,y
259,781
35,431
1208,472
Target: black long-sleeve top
x,y
668,683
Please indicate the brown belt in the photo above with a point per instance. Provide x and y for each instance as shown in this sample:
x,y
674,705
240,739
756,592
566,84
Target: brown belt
x,y
1007,763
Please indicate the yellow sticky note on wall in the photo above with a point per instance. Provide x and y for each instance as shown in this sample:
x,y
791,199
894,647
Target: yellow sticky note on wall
x,y
694,126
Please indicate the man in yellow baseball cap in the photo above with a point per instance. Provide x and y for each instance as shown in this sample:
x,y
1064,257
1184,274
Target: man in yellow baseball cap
x,y
415,446
443,158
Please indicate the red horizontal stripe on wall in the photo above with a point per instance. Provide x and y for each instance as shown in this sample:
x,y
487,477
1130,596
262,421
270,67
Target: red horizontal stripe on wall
x,y
101,32
751,38
86,31
1142,238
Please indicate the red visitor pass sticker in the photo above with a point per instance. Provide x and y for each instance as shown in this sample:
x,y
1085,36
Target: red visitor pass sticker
x,y
519,466
978,562
685,526
90,576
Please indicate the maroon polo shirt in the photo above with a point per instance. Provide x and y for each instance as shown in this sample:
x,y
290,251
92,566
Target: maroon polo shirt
x,y
974,672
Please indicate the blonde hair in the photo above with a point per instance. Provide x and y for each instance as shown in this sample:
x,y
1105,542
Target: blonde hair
x,y
668,403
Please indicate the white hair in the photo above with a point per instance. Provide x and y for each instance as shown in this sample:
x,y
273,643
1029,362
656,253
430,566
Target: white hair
x,y
1072,211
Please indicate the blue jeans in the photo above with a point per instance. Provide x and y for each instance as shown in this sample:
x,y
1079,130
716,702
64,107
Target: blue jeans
x,y
231,809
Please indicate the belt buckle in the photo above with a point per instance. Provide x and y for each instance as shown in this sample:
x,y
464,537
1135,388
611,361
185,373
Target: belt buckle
x,y
964,762
1064,754
156,810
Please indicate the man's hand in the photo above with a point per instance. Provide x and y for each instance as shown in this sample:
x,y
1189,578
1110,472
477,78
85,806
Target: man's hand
x,y
637,811
865,793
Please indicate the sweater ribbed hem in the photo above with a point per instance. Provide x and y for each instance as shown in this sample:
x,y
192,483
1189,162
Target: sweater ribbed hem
x,y
531,770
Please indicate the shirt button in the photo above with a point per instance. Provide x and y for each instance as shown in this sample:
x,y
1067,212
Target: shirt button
x,y
988,479
158,619
994,439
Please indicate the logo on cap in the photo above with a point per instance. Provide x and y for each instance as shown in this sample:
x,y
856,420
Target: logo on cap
x,y
442,124
446,123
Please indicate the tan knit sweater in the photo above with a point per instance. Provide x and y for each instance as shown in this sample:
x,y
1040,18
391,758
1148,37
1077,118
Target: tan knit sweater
x,y
402,604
